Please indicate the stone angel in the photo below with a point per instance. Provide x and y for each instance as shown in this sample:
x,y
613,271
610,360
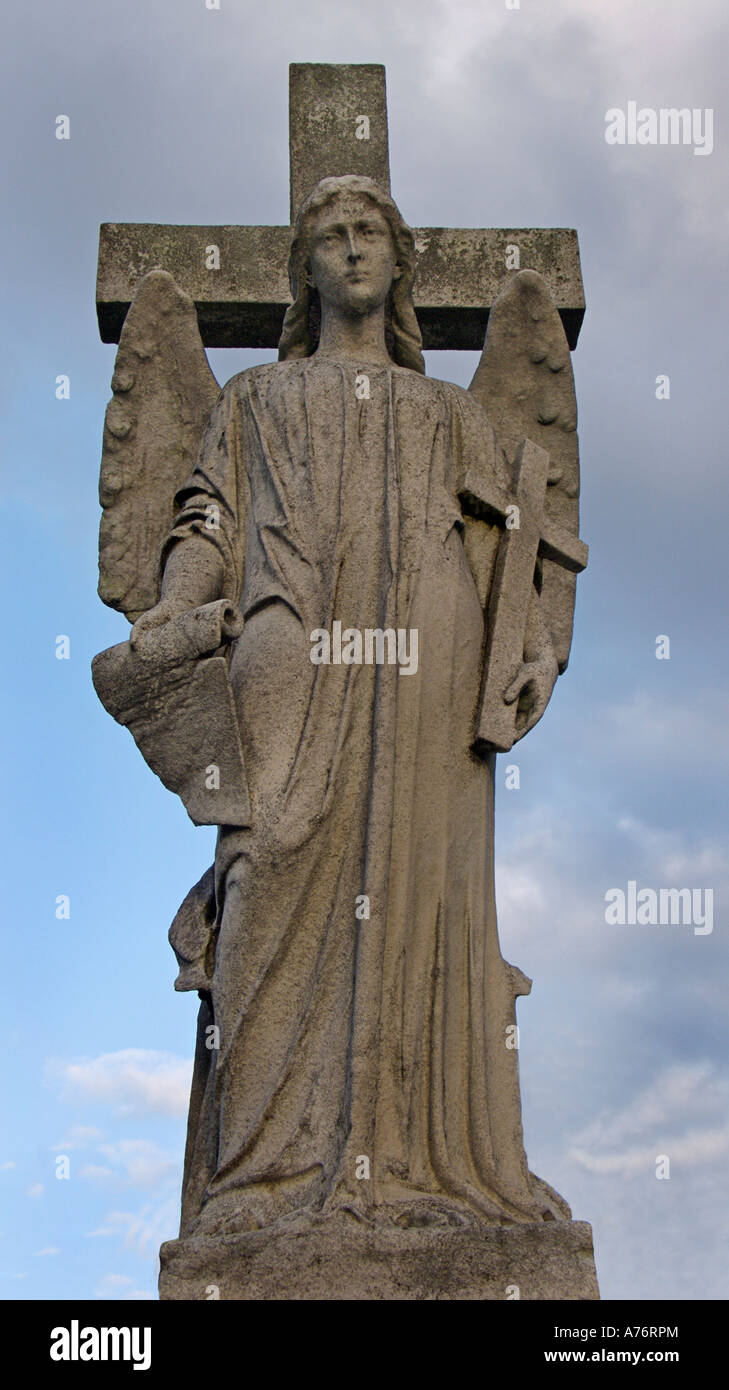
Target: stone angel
x,y
355,1044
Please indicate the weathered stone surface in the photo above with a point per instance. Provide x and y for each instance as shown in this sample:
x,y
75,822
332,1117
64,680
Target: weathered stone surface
x,y
163,389
337,125
192,935
174,696
378,1039
338,1259
460,272
526,385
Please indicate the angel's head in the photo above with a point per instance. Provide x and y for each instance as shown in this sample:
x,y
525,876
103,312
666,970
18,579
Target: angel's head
x,y
384,273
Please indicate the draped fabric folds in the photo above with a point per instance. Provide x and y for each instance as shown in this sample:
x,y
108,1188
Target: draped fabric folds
x,y
362,1004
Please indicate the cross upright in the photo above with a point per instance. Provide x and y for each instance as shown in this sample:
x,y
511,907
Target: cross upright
x,y
237,276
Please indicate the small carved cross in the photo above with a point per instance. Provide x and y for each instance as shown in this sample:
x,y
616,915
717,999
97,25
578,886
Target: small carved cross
x,y
528,534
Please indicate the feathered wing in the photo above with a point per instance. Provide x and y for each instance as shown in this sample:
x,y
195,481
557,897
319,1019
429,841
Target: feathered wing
x,y
525,383
163,390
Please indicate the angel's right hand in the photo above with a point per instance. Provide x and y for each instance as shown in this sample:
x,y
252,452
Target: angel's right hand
x,y
155,617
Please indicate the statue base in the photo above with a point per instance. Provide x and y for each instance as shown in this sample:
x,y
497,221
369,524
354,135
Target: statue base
x,y
339,1258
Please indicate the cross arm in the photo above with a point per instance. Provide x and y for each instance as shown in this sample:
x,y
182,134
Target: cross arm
x,y
484,499
242,303
563,547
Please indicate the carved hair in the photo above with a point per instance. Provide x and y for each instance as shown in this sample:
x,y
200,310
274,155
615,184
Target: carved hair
x,y
301,325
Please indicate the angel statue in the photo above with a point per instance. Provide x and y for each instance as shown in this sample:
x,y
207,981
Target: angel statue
x,y
355,1046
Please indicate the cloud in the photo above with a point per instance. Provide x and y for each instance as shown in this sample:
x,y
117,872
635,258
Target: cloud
x,y
683,1114
48,1250
545,885
141,1162
676,1093
691,1149
121,1287
117,1281
4,1167
554,866
670,856
143,1230
134,1081
652,729
35,1190
78,1137
134,1162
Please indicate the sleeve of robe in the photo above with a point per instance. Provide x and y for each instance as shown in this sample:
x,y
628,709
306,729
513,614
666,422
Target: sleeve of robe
x,y
211,503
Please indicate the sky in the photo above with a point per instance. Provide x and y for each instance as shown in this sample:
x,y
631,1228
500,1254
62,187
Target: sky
x,y
497,118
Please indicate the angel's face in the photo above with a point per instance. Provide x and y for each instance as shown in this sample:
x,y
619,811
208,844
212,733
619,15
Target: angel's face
x,y
352,261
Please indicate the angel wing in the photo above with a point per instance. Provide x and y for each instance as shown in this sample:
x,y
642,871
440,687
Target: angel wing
x,y
525,383
163,393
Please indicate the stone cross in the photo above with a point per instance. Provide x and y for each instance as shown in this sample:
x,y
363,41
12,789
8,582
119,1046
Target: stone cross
x,y
237,276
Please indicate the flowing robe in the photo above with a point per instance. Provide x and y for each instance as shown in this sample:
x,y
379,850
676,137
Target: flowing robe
x,y
365,1012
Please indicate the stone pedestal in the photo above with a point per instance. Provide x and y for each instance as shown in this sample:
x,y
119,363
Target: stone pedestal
x,y
339,1258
